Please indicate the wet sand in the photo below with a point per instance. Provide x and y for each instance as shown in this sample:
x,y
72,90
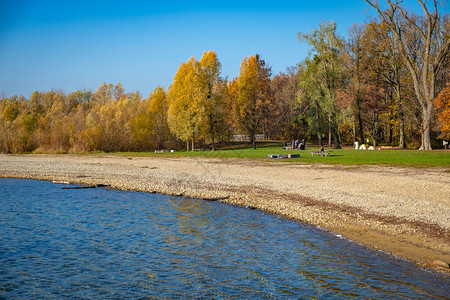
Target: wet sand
x,y
403,211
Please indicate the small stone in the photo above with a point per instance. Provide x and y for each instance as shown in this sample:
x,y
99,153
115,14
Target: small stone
x,y
441,264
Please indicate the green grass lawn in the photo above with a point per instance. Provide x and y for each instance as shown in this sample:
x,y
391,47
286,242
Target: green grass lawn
x,y
398,158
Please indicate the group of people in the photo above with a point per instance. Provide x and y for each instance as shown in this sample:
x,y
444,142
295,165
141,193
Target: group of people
x,y
301,145
297,145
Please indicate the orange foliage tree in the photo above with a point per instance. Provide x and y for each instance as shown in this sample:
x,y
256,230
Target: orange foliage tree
x,y
442,103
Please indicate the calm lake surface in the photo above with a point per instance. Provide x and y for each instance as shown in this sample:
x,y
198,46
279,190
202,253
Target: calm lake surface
x,y
101,243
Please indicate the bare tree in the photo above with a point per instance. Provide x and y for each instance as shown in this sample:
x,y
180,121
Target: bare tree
x,y
356,68
424,45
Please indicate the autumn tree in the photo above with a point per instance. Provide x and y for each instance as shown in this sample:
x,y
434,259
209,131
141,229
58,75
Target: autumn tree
x,y
186,115
285,123
442,103
118,91
254,95
356,67
23,127
107,120
311,99
93,131
213,95
104,93
198,100
386,67
375,108
59,125
424,46
323,76
158,105
16,126
10,112
233,94
142,129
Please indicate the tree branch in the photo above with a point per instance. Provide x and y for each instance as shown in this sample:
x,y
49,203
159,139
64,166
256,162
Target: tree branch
x,y
411,22
442,56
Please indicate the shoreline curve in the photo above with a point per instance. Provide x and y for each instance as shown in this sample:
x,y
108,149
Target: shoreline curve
x,y
401,211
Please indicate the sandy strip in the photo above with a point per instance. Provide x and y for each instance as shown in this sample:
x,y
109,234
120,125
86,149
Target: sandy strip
x,y
402,211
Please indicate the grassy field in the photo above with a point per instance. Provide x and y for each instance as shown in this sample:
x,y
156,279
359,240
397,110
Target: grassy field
x,y
398,158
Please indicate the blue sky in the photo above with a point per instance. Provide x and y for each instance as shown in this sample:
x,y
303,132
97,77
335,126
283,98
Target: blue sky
x,y
71,45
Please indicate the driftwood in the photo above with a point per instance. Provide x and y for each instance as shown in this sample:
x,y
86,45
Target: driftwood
x,y
79,187
85,187
216,199
102,185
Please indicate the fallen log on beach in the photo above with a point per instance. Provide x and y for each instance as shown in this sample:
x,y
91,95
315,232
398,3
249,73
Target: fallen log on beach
x,y
79,187
85,187
216,199
102,185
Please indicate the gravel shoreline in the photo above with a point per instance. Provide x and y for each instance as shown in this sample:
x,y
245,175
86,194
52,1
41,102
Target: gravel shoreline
x,y
402,211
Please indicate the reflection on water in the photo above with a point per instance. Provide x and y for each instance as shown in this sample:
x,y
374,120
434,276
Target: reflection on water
x,y
99,243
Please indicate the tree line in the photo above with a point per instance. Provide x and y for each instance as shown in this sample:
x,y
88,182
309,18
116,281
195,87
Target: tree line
x,y
386,83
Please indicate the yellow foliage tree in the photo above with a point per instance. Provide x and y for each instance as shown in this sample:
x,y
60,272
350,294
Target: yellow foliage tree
x,y
158,106
141,130
186,114
10,112
254,95
214,95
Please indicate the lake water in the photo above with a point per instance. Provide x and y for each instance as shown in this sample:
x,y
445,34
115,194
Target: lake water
x,y
101,243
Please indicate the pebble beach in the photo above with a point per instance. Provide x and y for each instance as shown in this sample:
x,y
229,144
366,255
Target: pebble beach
x,y
402,211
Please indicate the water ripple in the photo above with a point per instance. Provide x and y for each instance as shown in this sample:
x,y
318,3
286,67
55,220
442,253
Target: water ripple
x,y
98,243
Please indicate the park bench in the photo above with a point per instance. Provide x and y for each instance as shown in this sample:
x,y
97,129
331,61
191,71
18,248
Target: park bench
x,y
324,153
283,155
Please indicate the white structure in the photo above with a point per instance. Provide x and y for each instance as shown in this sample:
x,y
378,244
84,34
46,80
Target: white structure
x,y
246,138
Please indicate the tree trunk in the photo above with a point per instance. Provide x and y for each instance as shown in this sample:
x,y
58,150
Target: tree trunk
x,y
211,129
337,144
375,131
401,125
253,141
320,139
391,134
427,111
354,131
360,123
161,136
187,146
401,115
329,135
334,132
192,144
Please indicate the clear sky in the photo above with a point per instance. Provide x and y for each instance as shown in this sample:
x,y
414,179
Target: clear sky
x,y
71,45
